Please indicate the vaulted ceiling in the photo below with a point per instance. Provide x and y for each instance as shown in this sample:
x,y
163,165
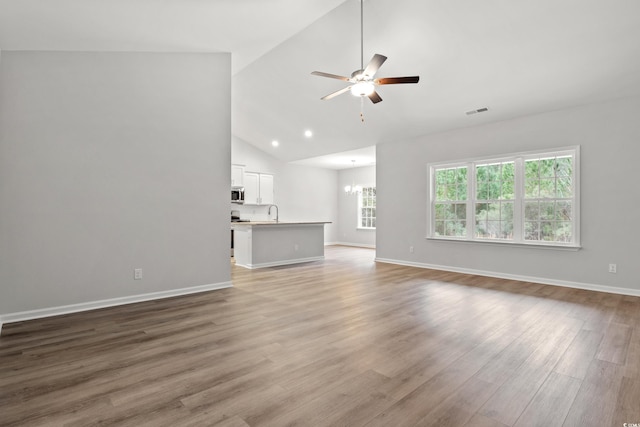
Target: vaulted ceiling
x,y
513,57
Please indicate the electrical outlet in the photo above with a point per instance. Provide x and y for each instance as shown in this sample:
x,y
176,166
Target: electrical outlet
x,y
137,274
410,249
296,247
613,268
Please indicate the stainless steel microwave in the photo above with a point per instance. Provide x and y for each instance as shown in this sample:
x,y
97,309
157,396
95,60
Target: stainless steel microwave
x,y
237,195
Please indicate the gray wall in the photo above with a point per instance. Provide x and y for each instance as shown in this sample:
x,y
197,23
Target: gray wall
x,y
302,193
609,136
348,233
110,162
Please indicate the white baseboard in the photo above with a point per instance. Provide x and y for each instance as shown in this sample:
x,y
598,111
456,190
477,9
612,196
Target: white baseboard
x,y
92,305
355,245
279,263
521,278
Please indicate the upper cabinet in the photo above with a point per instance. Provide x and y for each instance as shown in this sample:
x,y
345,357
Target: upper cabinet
x,y
258,188
266,189
237,175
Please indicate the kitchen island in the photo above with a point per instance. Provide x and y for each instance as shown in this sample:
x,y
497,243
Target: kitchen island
x,y
271,243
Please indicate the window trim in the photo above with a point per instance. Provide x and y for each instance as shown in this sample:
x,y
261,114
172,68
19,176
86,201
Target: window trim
x,y
519,205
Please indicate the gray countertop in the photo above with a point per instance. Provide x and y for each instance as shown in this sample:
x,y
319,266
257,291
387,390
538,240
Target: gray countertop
x,y
254,223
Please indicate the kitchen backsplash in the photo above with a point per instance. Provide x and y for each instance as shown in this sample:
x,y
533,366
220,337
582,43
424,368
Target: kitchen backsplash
x,y
253,213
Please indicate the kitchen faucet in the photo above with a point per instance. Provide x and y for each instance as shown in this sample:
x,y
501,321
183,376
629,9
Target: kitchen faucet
x,y
269,212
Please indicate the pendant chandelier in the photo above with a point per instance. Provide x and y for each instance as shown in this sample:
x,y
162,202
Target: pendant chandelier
x,y
353,188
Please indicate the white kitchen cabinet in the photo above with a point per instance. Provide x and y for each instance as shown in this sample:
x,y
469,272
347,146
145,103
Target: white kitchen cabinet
x,y
251,188
237,175
266,189
258,188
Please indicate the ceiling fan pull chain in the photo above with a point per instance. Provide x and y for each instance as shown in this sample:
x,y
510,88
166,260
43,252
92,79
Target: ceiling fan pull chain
x,y
362,109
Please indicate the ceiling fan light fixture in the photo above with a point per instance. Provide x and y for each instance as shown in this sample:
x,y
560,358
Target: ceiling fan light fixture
x,y
363,88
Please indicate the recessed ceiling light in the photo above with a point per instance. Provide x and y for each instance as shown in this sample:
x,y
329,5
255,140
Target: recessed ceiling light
x,y
308,133
275,143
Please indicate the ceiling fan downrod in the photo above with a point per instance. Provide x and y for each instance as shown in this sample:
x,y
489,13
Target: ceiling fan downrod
x,y
361,35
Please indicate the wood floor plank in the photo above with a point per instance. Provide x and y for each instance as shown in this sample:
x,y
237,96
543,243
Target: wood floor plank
x,y
552,402
234,421
576,360
258,402
626,312
628,405
353,403
412,375
461,406
185,383
417,403
513,396
615,344
482,421
532,334
597,399
62,413
343,341
632,366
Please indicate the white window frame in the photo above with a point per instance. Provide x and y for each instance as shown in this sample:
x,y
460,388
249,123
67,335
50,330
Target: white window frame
x,y
519,205
359,225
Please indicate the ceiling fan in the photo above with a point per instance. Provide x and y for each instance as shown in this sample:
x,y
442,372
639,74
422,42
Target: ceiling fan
x,y
362,81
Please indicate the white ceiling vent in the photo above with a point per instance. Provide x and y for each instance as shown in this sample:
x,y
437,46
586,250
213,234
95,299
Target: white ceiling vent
x,y
479,110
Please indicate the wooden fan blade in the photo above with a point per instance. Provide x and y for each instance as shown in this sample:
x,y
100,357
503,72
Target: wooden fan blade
x,y
336,93
374,97
396,80
373,65
331,76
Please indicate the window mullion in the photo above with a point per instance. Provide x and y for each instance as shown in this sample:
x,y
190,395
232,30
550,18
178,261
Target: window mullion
x,y
471,197
518,205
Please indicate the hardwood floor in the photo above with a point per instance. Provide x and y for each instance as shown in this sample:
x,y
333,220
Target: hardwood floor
x,y
344,342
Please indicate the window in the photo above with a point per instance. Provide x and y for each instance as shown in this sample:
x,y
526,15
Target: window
x,y
494,201
367,208
451,204
548,199
528,198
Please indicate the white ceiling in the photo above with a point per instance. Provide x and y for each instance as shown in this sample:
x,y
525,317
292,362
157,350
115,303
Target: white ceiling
x,y
342,160
514,57
246,28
